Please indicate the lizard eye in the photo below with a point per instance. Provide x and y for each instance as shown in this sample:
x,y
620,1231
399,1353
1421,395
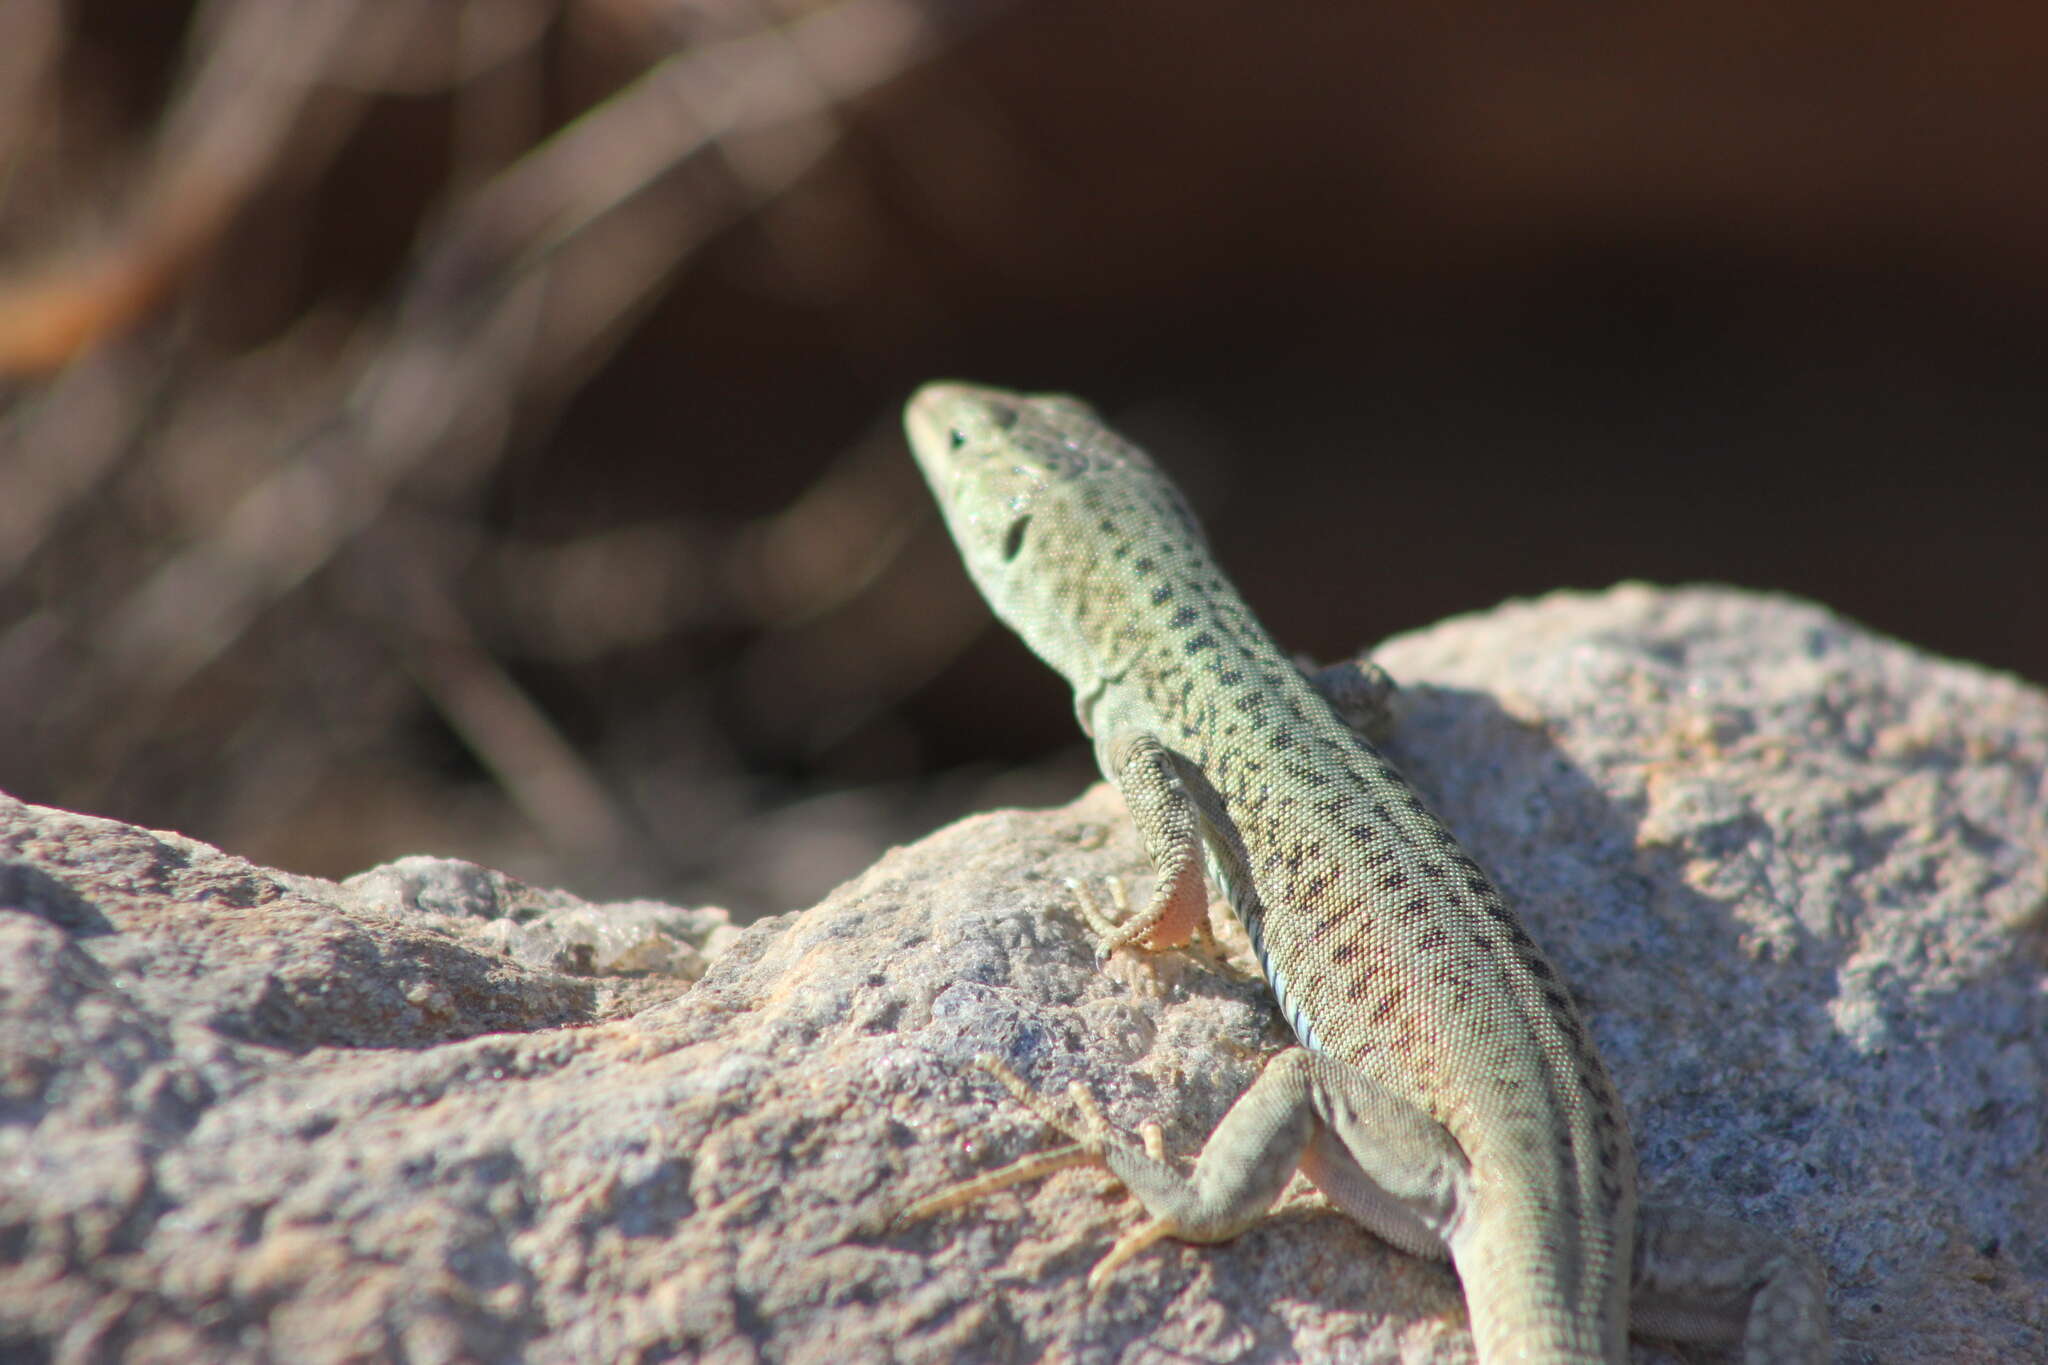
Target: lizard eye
x,y
1013,539
957,438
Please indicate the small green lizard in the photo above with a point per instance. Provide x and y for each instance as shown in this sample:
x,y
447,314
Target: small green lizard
x,y
1445,1092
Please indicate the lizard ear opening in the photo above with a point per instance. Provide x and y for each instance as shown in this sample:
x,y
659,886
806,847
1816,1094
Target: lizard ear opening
x,y
1013,539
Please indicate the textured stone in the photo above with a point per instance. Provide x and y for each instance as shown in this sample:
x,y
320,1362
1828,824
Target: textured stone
x,y
1797,873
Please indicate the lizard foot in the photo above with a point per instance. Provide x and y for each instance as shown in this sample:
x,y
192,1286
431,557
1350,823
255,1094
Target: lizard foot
x,y
1115,938
1090,1139
1117,948
1087,1142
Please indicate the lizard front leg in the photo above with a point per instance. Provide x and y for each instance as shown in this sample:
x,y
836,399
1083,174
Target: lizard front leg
x,y
1155,791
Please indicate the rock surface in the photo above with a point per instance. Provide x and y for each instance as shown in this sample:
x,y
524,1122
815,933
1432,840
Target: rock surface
x,y
1797,873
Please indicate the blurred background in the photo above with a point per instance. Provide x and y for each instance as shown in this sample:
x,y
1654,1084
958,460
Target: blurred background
x,y
469,426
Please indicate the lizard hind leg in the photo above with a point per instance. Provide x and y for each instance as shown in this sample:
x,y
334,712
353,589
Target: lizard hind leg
x,y
1243,1167
1701,1277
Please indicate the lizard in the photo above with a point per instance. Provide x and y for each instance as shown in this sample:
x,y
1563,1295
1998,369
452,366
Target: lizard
x,y
1443,1090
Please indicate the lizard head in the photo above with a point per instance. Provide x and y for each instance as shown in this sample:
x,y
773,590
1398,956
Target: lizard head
x,y
1000,462
1040,496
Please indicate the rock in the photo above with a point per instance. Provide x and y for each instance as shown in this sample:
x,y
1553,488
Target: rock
x,y
1797,873
548,929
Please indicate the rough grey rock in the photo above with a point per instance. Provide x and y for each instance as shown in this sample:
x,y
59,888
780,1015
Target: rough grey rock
x,y
1797,873
552,930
